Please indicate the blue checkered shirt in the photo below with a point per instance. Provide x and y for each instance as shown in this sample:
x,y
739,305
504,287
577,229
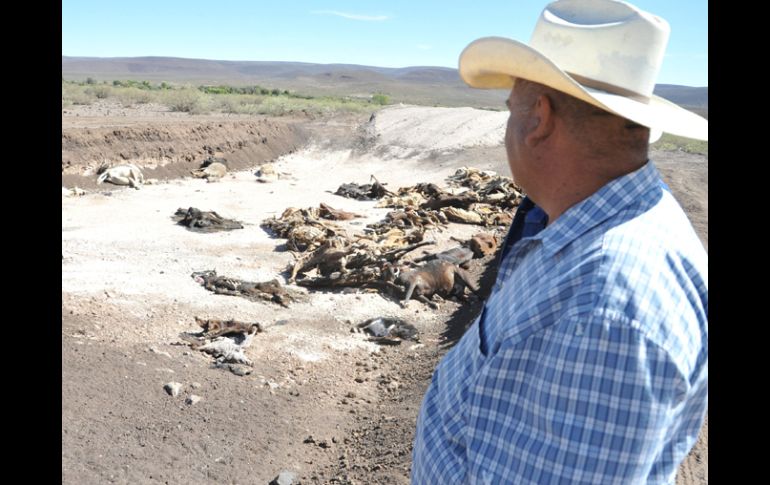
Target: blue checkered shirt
x,y
589,362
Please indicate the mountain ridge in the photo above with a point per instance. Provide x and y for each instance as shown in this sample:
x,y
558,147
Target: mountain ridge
x,y
412,84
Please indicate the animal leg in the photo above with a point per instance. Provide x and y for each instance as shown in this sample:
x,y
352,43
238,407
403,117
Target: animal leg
x,y
466,280
409,292
428,302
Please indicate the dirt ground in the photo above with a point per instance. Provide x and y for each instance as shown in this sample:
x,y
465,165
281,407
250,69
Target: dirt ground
x,y
321,401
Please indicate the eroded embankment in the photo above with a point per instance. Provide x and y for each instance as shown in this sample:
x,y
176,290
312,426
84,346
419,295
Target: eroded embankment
x,y
166,150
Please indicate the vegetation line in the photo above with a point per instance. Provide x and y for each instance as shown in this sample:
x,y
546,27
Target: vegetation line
x,y
219,98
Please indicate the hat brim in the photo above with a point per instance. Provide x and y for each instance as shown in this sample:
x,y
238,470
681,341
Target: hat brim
x,y
493,62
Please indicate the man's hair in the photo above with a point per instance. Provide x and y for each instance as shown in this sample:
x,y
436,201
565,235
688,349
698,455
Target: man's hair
x,y
600,131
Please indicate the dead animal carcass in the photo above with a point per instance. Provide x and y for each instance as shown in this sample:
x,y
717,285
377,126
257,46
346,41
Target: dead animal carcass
x,y
204,221
388,330
126,174
212,173
255,291
459,255
223,339
371,191
433,278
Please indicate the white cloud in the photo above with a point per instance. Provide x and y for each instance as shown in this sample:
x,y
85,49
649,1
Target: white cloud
x,y
424,47
353,16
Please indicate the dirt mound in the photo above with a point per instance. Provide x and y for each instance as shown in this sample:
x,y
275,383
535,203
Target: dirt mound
x,y
417,130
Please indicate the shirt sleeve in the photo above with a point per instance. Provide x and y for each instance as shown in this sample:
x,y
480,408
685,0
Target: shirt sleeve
x,y
589,400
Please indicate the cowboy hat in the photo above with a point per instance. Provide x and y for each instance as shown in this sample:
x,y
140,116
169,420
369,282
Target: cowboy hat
x,y
605,52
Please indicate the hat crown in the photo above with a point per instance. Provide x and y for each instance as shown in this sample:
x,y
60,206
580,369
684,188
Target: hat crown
x,y
609,42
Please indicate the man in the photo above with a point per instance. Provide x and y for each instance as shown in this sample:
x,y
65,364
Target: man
x,y
589,361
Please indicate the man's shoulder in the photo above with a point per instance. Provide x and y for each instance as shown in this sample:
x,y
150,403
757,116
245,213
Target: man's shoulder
x,y
654,275
656,235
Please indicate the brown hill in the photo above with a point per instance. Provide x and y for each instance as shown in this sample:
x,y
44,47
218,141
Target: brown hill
x,y
418,84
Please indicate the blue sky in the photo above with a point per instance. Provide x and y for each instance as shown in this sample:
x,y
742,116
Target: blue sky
x,y
389,34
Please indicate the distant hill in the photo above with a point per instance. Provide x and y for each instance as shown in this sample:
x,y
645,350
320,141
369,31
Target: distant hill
x,y
694,99
419,84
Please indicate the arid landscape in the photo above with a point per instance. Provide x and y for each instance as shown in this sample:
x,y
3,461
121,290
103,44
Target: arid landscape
x,y
321,400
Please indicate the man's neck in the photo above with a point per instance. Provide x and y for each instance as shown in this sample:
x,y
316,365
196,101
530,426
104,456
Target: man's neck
x,y
573,184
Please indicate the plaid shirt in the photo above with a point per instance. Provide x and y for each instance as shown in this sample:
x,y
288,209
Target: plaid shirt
x,y
589,362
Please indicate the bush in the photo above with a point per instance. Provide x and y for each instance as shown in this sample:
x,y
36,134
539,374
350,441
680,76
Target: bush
x,y
101,92
381,99
132,96
74,94
247,100
216,89
237,103
186,99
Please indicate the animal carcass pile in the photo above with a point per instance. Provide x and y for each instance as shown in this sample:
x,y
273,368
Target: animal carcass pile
x,y
326,255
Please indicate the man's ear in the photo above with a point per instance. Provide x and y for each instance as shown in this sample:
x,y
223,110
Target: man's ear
x,y
541,122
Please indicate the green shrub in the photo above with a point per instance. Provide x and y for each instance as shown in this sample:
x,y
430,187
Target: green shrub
x,y
246,100
381,99
216,89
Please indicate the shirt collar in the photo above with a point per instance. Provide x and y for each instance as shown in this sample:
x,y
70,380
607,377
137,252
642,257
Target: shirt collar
x,y
598,207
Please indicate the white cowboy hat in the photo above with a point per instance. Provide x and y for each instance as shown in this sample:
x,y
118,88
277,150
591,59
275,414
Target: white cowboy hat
x,y
605,52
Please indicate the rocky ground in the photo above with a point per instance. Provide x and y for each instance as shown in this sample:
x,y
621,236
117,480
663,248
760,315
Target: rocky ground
x,y
321,401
